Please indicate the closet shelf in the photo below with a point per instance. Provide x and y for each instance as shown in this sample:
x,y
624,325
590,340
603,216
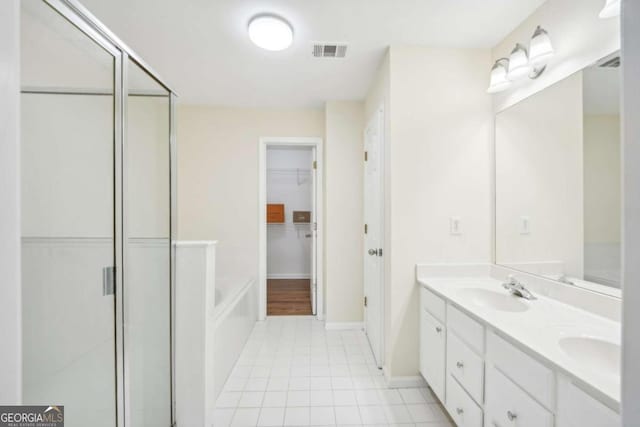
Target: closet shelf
x,y
289,224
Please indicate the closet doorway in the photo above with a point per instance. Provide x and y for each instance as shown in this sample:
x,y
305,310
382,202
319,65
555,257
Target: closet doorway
x,y
290,224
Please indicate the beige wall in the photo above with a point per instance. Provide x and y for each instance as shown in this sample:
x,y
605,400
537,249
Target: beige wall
x,y
344,170
441,129
438,138
218,175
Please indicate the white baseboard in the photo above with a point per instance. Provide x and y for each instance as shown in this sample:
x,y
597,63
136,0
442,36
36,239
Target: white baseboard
x,y
344,326
404,381
289,276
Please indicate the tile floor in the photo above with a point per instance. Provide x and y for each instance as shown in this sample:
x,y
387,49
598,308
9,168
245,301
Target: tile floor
x,y
292,372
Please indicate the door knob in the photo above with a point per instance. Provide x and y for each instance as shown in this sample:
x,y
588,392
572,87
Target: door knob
x,y
373,252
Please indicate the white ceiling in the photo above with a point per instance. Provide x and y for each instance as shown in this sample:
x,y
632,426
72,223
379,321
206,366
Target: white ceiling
x,y
201,47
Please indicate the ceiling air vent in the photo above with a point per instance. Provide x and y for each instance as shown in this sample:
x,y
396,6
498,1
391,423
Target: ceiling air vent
x,y
611,63
329,50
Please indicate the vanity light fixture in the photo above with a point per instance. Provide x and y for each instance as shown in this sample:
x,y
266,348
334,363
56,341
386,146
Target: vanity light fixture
x,y
499,81
518,63
270,32
522,62
611,9
540,48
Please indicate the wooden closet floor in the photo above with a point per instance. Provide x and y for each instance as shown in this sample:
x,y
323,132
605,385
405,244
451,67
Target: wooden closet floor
x,y
288,297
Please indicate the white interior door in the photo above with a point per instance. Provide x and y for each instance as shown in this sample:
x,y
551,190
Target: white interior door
x,y
313,283
374,233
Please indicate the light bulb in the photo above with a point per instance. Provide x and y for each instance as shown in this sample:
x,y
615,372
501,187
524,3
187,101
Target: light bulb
x,y
540,48
499,81
611,9
518,63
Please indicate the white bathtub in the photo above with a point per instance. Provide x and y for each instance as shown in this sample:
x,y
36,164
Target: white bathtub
x,y
214,318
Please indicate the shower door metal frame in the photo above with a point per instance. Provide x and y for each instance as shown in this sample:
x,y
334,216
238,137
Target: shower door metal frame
x,y
88,24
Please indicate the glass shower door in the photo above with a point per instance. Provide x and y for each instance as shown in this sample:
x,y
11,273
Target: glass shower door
x,y
147,268
68,218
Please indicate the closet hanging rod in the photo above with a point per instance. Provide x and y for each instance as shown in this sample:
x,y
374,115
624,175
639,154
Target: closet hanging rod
x,y
289,170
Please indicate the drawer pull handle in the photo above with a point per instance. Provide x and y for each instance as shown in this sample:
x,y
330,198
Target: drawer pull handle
x,y
460,411
438,329
512,416
460,365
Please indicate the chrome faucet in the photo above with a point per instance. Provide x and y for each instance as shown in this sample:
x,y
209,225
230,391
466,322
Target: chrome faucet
x,y
564,279
518,289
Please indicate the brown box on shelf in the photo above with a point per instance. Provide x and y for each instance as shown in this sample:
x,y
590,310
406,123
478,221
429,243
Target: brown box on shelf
x,y
302,216
275,212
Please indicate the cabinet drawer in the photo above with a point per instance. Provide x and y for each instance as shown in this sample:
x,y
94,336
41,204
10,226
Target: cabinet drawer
x,y
432,352
508,405
432,303
523,369
466,366
461,407
465,327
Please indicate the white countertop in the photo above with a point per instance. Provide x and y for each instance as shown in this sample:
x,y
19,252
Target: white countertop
x,y
539,328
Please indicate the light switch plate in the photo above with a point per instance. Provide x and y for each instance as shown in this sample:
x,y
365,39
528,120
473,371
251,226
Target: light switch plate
x,y
455,226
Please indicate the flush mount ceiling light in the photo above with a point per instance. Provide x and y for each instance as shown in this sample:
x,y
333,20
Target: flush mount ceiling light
x,y
522,62
270,32
499,81
611,9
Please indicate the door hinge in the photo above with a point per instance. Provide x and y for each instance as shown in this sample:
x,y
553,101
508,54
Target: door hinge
x,y
366,228
366,156
365,301
108,280
315,164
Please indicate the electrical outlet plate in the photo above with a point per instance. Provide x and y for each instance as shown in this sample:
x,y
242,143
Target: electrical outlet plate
x,y
525,225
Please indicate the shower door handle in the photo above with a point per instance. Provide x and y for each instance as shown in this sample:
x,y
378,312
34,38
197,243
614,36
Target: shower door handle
x,y
108,281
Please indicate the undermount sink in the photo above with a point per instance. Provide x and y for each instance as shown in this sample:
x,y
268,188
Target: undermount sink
x,y
500,301
603,356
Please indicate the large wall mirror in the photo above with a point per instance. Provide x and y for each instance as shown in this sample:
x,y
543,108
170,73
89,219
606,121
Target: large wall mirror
x,y
558,181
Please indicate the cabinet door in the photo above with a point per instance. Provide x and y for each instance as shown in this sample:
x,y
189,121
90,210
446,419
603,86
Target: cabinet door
x,y
507,405
432,352
577,409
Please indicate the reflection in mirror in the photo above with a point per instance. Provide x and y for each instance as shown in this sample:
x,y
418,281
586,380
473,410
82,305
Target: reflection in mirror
x,y
602,175
558,175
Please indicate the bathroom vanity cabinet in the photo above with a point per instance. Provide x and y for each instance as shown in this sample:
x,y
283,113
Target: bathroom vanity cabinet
x,y
484,378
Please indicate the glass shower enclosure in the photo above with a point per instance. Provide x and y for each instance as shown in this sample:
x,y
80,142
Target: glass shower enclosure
x,y
98,204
